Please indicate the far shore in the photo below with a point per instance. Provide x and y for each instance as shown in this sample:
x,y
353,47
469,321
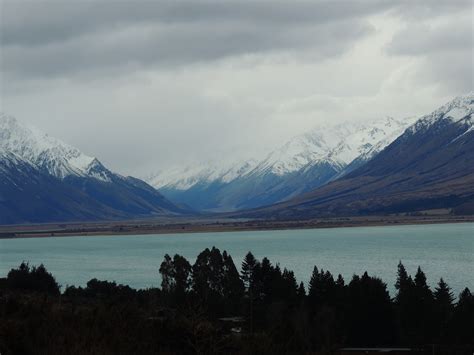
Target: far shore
x,y
175,226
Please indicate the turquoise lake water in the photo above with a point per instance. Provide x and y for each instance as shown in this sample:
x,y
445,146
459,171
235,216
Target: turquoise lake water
x,y
441,250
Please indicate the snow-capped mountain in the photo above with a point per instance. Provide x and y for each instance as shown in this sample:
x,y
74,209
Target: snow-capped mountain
x,y
338,145
303,163
183,178
430,166
47,153
458,111
43,179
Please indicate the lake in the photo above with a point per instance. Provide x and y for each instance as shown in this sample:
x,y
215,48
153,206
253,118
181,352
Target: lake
x,y
445,251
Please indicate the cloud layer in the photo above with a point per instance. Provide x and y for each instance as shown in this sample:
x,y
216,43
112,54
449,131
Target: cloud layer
x,y
144,85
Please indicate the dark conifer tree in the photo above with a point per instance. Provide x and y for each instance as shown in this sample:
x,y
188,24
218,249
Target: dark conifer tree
x,y
301,291
290,286
444,307
321,288
422,309
264,280
248,270
462,324
233,287
313,285
403,284
444,296
370,317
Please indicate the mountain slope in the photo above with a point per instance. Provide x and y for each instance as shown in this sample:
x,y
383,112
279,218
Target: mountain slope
x,y
302,164
45,180
430,166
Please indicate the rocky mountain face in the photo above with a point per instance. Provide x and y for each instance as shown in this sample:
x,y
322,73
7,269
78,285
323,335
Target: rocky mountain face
x,y
302,164
430,166
45,180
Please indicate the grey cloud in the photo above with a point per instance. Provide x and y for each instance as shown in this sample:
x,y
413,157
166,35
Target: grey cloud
x,y
423,39
146,84
421,10
165,44
43,22
444,47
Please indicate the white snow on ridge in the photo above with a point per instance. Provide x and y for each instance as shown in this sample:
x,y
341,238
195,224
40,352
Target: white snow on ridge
x,y
336,145
457,110
183,178
45,152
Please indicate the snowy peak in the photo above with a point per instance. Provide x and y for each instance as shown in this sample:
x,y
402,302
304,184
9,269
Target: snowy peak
x,y
183,178
338,145
47,153
458,111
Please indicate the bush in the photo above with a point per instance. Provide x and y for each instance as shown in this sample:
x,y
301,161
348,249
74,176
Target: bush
x,y
32,279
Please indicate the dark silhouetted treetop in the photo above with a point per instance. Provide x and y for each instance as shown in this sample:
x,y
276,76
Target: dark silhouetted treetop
x,y
321,288
443,295
32,279
215,275
248,269
301,291
175,275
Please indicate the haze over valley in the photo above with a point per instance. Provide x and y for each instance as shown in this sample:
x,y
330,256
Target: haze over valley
x,y
385,166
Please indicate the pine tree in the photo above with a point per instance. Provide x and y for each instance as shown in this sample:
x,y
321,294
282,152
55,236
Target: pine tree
x,y
403,284
443,295
444,306
290,289
322,287
463,318
301,291
420,280
314,282
248,268
233,287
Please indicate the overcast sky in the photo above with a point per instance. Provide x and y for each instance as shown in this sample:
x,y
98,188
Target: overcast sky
x,y
144,85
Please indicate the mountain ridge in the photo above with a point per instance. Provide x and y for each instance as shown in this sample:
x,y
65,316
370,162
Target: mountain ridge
x,y
304,162
430,166
43,179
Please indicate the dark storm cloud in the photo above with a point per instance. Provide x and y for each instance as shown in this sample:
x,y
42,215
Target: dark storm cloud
x,y
43,39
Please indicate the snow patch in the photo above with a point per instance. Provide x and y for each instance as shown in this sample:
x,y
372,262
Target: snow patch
x,y
46,153
336,145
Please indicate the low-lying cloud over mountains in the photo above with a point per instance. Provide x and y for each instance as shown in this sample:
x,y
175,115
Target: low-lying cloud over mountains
x,y
145,84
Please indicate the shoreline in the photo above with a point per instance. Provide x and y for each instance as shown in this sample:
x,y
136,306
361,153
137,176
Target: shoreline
x,y
215,226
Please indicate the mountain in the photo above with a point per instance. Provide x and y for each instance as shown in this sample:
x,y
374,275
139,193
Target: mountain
x,y
302,164
430,166
43,179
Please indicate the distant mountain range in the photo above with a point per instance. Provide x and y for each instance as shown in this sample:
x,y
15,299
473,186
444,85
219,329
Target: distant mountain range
x,y
301,165
387,166
429,167
43,179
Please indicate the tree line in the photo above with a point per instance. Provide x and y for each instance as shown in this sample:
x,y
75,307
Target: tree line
x,y
212,306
